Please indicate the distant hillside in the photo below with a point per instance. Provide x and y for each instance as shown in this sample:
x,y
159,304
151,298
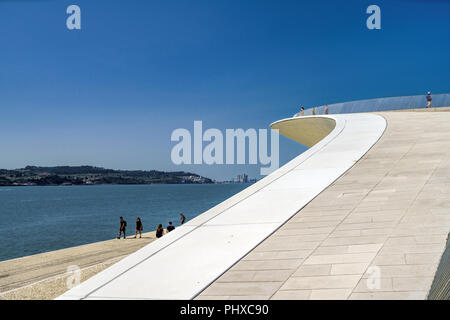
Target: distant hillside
x,y
88,175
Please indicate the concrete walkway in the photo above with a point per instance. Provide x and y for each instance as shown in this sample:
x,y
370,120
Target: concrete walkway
x,y
377,232
17,273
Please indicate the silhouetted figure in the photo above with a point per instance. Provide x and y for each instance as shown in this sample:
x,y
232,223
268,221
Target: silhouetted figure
x,y
139,227
159,231
123,225
183,218
429,100
170,227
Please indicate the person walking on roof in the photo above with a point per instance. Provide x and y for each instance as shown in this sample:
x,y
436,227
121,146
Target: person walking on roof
x,y
429,99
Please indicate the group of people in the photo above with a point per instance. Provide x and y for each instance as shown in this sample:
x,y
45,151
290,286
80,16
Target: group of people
x,y
139,227
302,109
313,112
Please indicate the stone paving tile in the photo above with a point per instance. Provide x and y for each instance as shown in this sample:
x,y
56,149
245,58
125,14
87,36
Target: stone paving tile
x,y
433,239
267,264
313,270
292,231
299,238
340,258
406,271
242,288
364,285
399,295
331,250
321,282
419,248
412,284
389,259
330,294
278,255
423,258
206,297
255,276
348,268
354,240
345,233
377,232
291,295
250,297
272,275
286,246
375,247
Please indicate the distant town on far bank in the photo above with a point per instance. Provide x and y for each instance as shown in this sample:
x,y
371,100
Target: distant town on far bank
x,y
90,175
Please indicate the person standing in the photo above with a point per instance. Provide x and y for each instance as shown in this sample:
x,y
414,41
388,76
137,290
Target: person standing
x,y
326,109
139,227
159,231
183,218
170,227
123,225
429,99
302,111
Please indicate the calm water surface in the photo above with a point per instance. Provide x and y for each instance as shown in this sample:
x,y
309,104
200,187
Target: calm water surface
x,y
41,219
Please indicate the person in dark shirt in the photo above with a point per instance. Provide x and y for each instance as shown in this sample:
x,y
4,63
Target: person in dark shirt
x,y
170,227
183,218
159,231
139,227
429,100
123,225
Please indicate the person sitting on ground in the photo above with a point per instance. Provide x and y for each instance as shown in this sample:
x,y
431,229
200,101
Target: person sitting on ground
x,y
123,225
139,227
183,218
429,100
159,231
170,227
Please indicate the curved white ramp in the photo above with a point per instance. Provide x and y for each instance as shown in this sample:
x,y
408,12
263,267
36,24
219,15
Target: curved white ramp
x,y
184,262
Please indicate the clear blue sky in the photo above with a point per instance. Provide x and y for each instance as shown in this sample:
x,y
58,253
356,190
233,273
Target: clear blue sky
x,y
111,94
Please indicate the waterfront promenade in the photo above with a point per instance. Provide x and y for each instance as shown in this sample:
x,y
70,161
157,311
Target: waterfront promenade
x,y
44,275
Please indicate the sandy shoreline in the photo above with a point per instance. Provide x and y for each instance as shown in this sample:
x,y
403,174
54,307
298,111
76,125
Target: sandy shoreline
x,y
44,276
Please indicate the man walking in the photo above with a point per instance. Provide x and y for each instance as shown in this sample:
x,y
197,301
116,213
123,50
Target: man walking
x,y
429,100
123,225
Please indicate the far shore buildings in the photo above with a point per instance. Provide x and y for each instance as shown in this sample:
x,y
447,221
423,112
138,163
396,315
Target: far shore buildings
x,y
240,178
